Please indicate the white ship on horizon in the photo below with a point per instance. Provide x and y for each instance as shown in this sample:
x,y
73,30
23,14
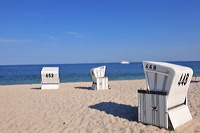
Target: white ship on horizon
x,y
125,62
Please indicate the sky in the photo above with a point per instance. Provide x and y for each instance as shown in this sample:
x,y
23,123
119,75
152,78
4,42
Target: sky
x,y
98,31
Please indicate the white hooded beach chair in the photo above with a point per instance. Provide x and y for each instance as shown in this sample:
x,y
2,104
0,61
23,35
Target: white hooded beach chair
x,y
100,82
50,78
164,103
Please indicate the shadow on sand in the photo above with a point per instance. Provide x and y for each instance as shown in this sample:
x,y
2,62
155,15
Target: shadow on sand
x,y
121,110
36,88
194,81
86,88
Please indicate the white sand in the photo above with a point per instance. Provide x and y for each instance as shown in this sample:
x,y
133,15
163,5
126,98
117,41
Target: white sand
x,y
75,108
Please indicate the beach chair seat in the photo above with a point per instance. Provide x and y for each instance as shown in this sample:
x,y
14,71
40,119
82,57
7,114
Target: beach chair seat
x,y
100,82
163,103
50,78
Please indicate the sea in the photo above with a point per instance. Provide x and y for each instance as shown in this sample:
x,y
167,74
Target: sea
x,y
31,74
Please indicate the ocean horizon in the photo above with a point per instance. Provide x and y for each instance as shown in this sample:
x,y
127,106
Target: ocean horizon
x,y
79,72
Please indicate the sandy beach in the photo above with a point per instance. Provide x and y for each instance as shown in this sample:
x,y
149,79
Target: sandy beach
x,y
77,108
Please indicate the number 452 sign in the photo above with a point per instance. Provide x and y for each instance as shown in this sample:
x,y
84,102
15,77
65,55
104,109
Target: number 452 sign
x,y
49,75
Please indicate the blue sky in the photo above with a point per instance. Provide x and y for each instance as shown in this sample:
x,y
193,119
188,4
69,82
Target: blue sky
x,y
92,31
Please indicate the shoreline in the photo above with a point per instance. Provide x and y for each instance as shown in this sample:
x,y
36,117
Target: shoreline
x,y
72,82
194,80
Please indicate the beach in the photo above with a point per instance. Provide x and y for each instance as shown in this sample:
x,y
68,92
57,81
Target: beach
x,y
76,108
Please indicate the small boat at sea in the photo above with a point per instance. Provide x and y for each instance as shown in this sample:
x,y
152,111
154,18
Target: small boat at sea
x,y
125,62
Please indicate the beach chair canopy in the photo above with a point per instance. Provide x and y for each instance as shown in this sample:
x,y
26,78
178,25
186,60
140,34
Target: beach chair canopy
x,y
169,78
98,72
50,75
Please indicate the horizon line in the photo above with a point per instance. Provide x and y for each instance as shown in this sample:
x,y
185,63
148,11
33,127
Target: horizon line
x,y
88,63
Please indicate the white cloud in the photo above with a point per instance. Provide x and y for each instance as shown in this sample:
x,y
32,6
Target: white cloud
x,y
54,38
13,41
76,34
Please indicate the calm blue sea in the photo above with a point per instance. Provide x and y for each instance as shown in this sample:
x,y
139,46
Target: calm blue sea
x,y
31,74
